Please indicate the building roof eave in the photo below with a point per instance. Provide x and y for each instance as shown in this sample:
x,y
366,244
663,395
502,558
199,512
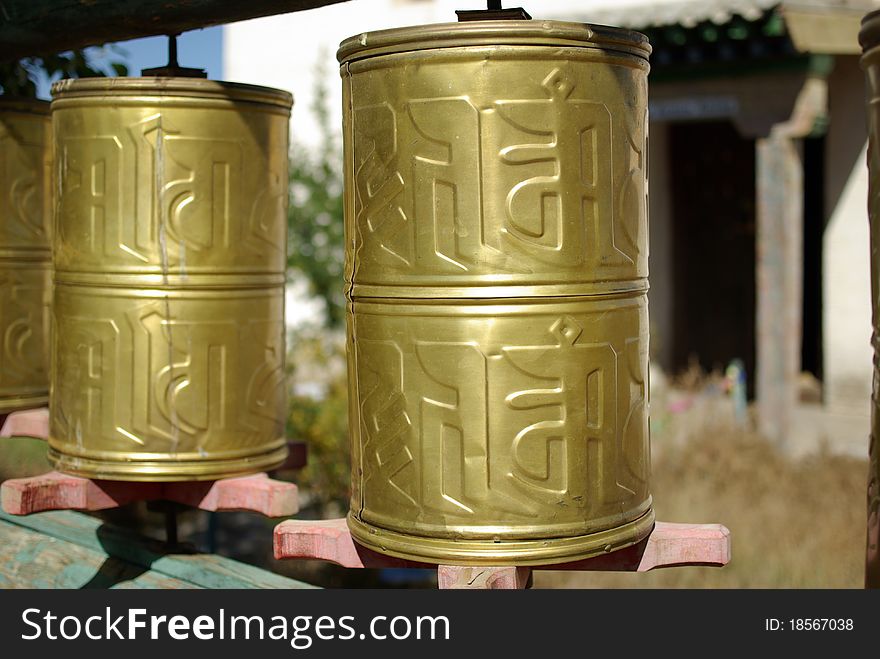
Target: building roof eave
x,y
814,26
823,31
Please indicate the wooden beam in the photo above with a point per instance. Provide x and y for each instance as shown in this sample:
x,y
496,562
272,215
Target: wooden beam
x,y
45,27
70,550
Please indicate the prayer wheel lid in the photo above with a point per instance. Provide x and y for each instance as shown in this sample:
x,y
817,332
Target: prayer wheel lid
x,y
869,36
492,33
162,86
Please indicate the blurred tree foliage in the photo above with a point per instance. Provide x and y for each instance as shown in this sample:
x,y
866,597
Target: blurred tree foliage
x,y
318,415
315,236
19,77
318,403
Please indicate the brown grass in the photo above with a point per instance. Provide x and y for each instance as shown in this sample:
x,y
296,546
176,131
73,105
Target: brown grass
x,y
21,457
793,523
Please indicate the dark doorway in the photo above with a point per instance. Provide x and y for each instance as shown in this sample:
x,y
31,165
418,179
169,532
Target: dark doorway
x,y
713,210
814,229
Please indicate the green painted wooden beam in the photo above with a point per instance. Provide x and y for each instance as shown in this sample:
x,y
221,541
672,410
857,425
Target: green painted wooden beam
x,y
44,27
32,560
66,549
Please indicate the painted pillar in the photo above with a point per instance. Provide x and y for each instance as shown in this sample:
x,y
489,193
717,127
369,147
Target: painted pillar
x,y
780,262
779,279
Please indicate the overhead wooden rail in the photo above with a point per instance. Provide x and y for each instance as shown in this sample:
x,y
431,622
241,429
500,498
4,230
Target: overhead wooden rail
x,y
43,27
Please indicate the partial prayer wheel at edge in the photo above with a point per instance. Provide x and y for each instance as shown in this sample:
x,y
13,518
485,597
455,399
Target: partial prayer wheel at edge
x,y
25,253
870,40
496,269
170,254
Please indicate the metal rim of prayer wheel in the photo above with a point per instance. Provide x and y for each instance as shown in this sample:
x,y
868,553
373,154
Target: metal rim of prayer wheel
x,y
496,272
170,258
25,252
869,38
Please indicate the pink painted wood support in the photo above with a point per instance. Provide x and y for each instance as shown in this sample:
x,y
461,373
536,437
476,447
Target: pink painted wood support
x,y
56,491
669,545
329,540
450,577
27,423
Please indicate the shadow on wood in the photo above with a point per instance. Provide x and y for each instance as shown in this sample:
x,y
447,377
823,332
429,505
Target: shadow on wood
x,y
65,549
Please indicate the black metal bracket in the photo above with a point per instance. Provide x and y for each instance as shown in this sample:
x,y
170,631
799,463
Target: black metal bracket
x,y
173,69
493,12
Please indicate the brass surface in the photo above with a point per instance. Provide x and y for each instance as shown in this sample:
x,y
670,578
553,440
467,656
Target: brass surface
x,y
496,422
870,38
25,253
496,269
475,171
493,34
170,250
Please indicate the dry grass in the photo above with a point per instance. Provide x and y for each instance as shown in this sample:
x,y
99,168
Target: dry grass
x,y
794,524
21,457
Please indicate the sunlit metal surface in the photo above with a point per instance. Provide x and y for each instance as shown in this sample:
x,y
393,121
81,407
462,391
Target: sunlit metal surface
x,y
170,251
497,276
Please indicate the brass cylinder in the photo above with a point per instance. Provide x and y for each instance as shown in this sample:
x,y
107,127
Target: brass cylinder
x,y
25,253
496,268
170,254
870,39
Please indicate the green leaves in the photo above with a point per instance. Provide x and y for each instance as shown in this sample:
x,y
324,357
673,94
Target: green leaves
x,y
318,415
318,404
315,229
19,78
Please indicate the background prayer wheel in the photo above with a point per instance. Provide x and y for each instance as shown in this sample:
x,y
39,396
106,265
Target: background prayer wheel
x,y
25,252
170,257
496,273
870,39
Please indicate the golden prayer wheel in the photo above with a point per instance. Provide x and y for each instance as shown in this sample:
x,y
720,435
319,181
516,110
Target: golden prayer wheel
x,y
170,254
870,39
25,252
497,278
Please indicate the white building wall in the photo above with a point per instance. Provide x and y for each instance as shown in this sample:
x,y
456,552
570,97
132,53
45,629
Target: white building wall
x,y
846,259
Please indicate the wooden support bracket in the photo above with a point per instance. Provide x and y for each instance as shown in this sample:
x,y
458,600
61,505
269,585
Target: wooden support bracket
x,y
26,423
668,545
56,491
